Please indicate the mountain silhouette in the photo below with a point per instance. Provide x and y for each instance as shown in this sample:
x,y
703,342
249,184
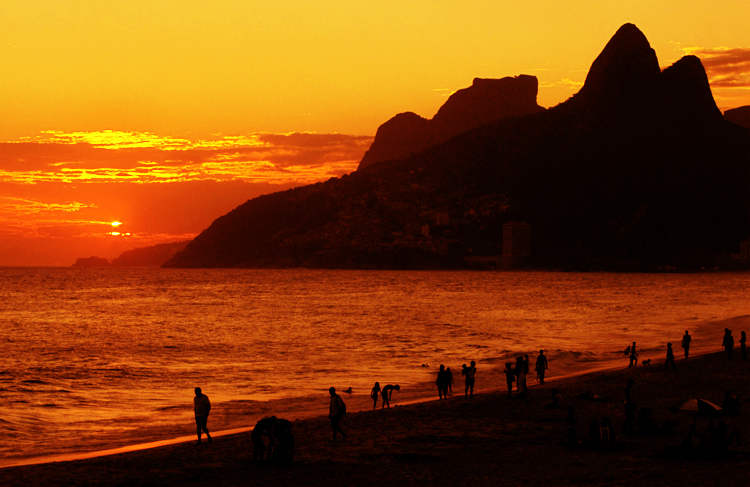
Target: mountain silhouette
x,y
739,116
487,100
637,171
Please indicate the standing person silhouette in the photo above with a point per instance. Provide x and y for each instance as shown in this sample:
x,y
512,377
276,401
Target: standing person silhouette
x,y
336,411
374,393
520,377
686,338
510,377
728,342
387,392
470,373
743,348
633,356
442,382
201,407
670,357
541,366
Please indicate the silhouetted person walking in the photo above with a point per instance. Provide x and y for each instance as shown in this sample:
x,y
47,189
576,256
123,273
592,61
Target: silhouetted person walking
x,y
670,357
336,411
541,366
387,392
633,356
201,406
264,427
374,393
470,373
442,382
743,348
728,342
686,338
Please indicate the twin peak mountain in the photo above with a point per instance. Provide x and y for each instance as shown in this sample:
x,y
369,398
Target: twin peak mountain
x,y
637,171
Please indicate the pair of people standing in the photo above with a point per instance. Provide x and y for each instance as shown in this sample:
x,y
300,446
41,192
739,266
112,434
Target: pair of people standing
x,y
386,392
444,381
728,343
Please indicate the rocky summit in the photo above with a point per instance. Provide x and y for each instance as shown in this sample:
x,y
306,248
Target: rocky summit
x,y
638,171
485,101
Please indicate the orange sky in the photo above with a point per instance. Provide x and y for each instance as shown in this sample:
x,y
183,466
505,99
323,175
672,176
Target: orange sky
x,y
161,114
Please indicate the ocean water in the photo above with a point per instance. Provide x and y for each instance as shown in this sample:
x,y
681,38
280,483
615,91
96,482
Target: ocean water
x,y
101,358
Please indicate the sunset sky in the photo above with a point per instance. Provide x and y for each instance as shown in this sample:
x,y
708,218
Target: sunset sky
x,y
163,115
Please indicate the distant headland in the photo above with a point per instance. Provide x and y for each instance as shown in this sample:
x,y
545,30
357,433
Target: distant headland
x,y
153,256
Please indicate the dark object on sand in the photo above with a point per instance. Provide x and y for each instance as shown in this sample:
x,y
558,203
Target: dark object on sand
x,y
587,396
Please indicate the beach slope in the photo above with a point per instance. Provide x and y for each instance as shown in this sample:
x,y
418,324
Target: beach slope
x,y
490,440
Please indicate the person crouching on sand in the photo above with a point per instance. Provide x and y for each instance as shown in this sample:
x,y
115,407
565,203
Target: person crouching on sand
x,y
264,427
201,406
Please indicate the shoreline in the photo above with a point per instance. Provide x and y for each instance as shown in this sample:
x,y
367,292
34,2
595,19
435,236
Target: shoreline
x,y
488,440
71,457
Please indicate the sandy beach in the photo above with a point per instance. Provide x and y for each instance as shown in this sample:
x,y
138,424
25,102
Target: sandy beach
x,y
490,440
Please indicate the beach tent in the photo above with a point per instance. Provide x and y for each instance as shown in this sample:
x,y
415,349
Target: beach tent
x,y
696,405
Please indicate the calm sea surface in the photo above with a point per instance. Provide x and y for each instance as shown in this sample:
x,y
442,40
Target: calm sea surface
x,y
101,358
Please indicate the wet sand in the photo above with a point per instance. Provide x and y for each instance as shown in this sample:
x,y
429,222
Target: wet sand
x,y
488,440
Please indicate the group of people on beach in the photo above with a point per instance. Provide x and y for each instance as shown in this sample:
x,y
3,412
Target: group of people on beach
x,y
515,374
273,440
518,373
727,343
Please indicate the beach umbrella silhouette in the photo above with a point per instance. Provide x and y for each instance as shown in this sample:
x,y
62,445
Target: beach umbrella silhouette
x,y
696,406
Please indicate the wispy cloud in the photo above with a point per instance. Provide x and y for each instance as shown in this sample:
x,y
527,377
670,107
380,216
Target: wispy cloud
x,y
565,82
111,156
25,206
725,67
